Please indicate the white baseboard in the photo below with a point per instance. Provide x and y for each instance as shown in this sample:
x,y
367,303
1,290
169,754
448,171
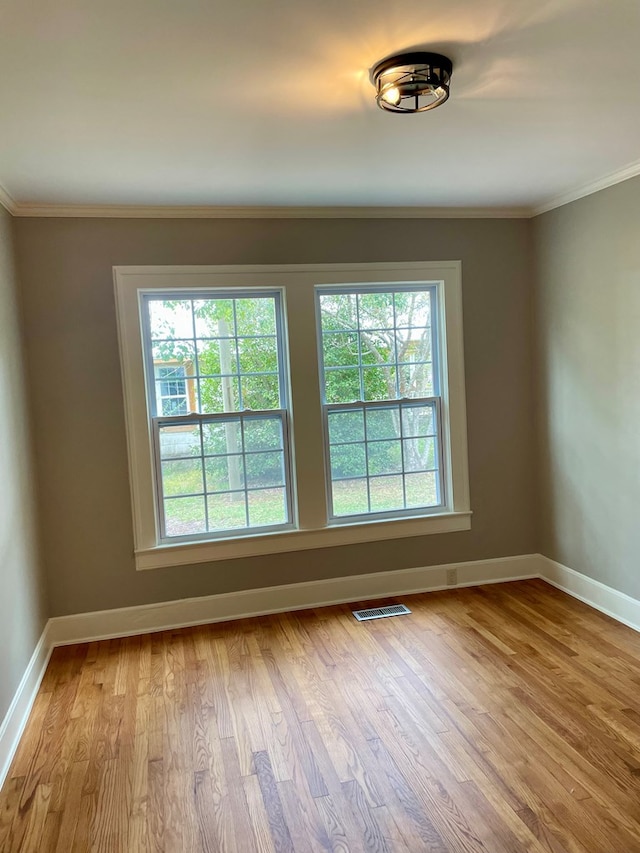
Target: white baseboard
x,y
605,598
147,618
16,717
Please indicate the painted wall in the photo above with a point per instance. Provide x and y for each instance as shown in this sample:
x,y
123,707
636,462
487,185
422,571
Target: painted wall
x,y
76,395
22,590
588,390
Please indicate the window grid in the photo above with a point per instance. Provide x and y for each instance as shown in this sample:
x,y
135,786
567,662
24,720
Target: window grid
x,y
237,374
404,371
280,447
396,364
219,482
432,403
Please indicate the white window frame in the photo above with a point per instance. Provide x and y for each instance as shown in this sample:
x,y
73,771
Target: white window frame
x,y
298,284
157,420
434,400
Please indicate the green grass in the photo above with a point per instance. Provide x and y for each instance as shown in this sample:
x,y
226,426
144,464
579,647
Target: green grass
x,y
227,512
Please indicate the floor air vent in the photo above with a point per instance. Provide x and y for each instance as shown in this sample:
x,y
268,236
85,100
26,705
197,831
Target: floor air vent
x,y
380,612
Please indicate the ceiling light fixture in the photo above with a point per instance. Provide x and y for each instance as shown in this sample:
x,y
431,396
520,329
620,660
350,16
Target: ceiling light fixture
x,y
412,82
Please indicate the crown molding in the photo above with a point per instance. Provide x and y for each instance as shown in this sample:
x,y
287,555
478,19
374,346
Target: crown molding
x,y
610,180
124,211
266,212
7,202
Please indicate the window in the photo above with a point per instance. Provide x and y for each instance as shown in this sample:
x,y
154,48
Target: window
x,y
381,384
171,389
281,408
221,457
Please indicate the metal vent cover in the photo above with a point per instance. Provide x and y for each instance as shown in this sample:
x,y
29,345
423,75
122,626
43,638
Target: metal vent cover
x,y
380,612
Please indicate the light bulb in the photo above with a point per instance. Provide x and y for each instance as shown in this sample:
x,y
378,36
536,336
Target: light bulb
x,y
392,95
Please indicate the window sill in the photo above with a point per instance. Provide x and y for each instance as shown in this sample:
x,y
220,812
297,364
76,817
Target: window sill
x,y
299,540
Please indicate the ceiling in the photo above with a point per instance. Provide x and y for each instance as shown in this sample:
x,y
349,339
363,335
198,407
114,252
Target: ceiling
x,y
268,102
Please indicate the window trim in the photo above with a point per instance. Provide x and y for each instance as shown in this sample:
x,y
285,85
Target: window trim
x,y
297,284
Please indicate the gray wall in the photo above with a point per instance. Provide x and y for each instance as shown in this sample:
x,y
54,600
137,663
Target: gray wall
x,y
76,396
22,593
588,389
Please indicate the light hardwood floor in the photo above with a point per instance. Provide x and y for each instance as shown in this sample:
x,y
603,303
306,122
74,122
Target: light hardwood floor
x,y
499,719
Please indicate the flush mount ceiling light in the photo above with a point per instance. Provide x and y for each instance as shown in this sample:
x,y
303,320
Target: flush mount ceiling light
x,y
412,82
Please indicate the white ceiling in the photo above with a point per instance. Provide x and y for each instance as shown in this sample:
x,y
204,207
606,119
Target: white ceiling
x,y
268,102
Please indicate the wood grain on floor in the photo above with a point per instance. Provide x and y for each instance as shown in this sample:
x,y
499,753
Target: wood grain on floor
x,y
499,719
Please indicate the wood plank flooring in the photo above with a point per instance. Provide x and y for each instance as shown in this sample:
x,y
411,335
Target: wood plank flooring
x,y
499,719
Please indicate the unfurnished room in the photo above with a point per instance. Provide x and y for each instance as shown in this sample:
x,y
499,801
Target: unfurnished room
x,y
320,426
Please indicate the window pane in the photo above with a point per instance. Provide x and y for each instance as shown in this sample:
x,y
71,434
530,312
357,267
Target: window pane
x,y
184,516
340,349
168,354
379,383
348,460
227,512
418,420
421,490
419,454
413,345
170,318
171,406
339,311
264,469
179,441
222,437
213,318
224,473
385,457
182,477
350,497
260,392
221,394
386,493
267,506
416,380
256,316
263,434
383,423
346,426
343,386
216,357
376,310
258,355
413,308
377,347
